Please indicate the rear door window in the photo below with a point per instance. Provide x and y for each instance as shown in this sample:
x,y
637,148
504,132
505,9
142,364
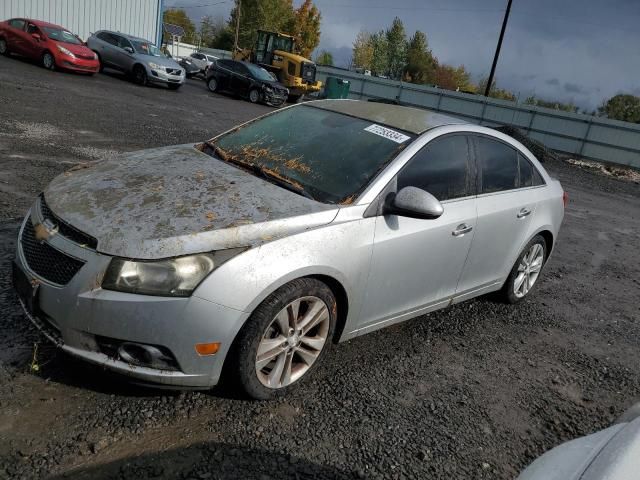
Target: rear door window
x,y
498,165
17,23
442,168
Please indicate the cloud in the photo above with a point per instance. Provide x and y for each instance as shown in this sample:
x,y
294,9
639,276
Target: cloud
x,y
574,88
552,81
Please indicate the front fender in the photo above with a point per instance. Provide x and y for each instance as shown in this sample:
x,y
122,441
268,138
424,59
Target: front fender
x,y
341,251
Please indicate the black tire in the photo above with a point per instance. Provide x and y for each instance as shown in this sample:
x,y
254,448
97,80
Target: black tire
x,y
4,47
254,95
189,75
140,75
174,86
507,293
242,358
48,61
212,84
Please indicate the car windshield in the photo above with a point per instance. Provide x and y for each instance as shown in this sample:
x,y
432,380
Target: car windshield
x,y
146,48
259,73
60,35
325,155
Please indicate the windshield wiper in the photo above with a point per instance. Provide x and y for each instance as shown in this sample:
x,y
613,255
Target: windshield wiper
x,y
264,172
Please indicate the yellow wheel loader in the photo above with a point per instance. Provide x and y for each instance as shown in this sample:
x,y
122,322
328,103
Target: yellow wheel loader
x,y
274,52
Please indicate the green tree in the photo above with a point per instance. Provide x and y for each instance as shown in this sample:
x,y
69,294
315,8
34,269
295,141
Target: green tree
x,y
272,15
324,58
421,64
494,91
453,78
178,16
396,49
363,51
380,54
622,107
210,28
556,105
305,27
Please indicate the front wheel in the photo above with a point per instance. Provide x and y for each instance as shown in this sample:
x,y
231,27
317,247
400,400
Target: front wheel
x,y
140,75
254,96
526,271
48,61
4,48
285,338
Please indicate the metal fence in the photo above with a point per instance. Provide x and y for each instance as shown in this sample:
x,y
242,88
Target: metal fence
x,y
581,135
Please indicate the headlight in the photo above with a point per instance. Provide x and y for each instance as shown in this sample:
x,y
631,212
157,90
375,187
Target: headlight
x,y
95,55
176,277
65,51
268,89
155,66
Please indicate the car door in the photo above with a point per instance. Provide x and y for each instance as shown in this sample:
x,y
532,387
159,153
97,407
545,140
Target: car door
x,y
506,206
33,46
16,35
122,58
104,44
416,263
223,71
241,79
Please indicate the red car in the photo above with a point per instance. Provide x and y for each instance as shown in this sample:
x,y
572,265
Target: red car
x,y
53,46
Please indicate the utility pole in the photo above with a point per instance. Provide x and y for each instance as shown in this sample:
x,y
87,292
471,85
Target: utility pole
x,y
495,58
235,42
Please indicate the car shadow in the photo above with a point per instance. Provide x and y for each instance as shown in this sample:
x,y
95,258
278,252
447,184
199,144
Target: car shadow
x,y
208,460
37,64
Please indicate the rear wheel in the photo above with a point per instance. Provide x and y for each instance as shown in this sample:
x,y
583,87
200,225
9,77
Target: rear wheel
x,y
285,338
526,271
212,84
4,48
48,61
140,75
254,96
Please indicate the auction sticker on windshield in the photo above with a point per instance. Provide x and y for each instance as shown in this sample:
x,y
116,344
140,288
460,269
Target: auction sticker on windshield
x,y
387,133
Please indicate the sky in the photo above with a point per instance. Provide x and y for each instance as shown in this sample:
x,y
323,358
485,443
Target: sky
x,y
580,51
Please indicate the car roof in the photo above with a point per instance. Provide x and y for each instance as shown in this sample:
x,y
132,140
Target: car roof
x,y
127,36
40,23
409,119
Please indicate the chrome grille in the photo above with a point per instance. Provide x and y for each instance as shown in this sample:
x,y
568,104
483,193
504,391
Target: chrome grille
x,y
44,260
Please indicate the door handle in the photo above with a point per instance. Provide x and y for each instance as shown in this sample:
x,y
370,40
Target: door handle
x,y
523,213
461,230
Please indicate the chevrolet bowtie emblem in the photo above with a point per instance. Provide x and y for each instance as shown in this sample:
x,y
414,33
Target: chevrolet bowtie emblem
x,y
43,232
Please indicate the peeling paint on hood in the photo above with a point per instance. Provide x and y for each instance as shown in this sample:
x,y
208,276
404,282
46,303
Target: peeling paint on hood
x,y
177,200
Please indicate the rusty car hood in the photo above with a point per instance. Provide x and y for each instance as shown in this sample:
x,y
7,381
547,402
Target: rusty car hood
x,y
177,200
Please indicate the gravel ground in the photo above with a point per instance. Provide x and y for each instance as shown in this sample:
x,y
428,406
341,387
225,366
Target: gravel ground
x,y
474,391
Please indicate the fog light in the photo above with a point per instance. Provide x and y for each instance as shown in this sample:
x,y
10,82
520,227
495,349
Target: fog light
x,y
146,356
207,348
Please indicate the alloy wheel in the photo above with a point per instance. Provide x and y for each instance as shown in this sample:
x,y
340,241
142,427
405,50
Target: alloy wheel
x,y
3,46
254,96
47,61
528,270
212,84
292,342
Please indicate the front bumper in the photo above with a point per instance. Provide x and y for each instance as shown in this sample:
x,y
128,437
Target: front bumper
x,y
79,315
161,76
78,64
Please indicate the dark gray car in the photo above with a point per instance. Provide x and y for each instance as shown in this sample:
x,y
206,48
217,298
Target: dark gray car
x,y
136,57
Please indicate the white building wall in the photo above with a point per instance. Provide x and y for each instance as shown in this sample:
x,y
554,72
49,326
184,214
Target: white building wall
x,y
135,17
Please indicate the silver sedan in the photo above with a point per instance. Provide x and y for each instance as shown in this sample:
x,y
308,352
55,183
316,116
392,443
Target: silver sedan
x,y
258,249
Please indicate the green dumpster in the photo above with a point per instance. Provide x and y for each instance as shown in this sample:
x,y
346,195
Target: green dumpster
x,y
336,88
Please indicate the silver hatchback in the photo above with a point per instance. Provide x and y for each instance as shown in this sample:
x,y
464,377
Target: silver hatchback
x,y
257,249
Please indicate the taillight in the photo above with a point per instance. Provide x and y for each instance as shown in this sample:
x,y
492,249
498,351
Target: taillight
x,y
565,199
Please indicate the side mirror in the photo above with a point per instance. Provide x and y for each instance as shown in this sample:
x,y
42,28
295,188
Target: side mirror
x,y
128,50
36,37
414,203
